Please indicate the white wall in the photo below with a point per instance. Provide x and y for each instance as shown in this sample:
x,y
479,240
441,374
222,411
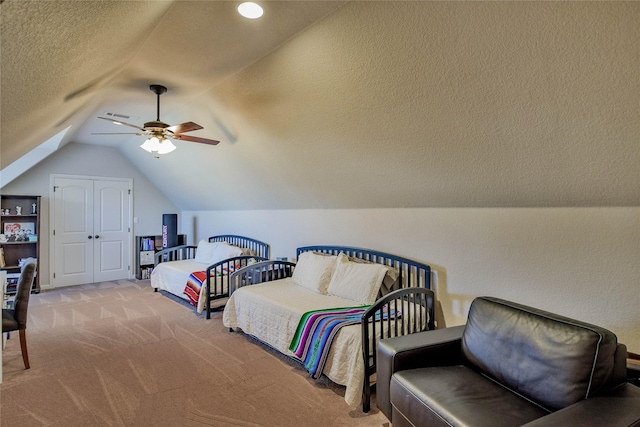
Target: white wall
x,y
578,262
88,160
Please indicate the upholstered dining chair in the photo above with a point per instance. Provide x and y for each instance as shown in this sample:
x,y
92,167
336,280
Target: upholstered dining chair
x,y
15,319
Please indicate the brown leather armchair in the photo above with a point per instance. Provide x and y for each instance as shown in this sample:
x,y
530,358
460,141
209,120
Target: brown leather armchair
x,y
510,365
15,319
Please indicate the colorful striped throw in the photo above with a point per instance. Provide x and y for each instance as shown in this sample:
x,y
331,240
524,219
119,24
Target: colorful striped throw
x,y
316,330
196,280
194,285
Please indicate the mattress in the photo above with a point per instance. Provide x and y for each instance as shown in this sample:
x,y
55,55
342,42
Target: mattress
x,y
271,312
171,276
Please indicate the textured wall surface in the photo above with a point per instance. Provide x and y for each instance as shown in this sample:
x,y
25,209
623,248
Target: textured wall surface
x,y
364,104
579,262
439,104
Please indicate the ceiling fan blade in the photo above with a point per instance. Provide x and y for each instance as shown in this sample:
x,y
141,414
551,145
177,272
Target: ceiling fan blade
x,y
117,122
196,139
184,127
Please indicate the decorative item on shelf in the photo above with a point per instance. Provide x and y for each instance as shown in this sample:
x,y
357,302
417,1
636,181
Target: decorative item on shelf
x,y
18,210
146,257
18,231
34,207
2,261
6,211
21,261
3,238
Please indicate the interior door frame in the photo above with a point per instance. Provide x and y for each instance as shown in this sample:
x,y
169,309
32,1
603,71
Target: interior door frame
x,y
52,179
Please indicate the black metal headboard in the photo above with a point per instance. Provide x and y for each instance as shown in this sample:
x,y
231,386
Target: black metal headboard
x,y
411,273
261,249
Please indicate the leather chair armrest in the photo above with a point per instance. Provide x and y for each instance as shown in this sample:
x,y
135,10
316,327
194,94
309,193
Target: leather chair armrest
x,y
621,407
440,347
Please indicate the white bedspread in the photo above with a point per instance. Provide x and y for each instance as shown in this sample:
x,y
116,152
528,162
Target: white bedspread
x,y
172,277
271,312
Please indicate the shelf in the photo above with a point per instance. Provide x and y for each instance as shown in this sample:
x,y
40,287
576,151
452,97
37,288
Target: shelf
x,y
23,225
33,242
142,250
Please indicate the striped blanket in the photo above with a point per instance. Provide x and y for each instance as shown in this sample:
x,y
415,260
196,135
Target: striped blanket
x,y
315,332
196,280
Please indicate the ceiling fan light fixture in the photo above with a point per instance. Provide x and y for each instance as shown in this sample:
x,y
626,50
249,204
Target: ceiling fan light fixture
x,y
150,145
165,146
250,10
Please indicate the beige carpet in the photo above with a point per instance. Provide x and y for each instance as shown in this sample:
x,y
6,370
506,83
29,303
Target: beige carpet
x,y
118,354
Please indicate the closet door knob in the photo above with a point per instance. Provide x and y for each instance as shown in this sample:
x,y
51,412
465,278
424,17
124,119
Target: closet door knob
x,y
89,237
97,236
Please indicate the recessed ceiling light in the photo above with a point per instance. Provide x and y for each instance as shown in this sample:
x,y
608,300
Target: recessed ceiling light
x,y
250,10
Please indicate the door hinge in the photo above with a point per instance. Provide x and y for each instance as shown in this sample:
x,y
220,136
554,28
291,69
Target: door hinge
x,y
54,232
54,275
54,188
129,191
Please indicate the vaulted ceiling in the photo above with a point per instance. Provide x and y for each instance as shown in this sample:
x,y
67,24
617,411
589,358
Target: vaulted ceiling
x,y
340,104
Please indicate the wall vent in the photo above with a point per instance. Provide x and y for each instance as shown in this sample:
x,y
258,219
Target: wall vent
x,y
120,116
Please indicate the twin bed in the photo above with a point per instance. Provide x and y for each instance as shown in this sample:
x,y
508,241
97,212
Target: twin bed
x,y
328,311
349,298
199,274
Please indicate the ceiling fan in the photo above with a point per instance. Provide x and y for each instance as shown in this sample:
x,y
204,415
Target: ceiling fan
x,y
160,132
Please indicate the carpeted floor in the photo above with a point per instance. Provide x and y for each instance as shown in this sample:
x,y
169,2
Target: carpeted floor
x,y
118,354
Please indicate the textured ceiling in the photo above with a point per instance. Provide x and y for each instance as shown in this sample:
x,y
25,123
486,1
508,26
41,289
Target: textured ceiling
x,y
66,62
342,105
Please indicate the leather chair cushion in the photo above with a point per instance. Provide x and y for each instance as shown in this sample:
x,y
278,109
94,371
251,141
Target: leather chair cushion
x,y
9,322
550,359
456,395
621,407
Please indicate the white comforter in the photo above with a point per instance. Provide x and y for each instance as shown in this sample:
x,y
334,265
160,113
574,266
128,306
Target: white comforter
x,y
171,276
271,312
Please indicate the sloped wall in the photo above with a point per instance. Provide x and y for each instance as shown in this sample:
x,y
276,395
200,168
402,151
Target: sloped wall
x,y
436,104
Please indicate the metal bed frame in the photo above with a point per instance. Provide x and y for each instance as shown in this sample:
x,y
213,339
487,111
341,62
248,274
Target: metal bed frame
x,y
214,285
414,282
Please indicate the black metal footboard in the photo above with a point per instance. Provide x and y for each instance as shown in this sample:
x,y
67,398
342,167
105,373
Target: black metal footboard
x,y
402,312
217,273
265,271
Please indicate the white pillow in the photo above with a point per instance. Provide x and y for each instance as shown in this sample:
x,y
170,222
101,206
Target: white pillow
x,y
224,250
313,271
205,251
356,281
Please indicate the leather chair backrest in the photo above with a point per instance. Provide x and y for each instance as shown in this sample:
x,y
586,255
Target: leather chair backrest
x,y
553,360
23,291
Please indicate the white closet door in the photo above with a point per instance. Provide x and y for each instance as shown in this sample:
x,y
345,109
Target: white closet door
x,y
111,237
73,232
92,236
